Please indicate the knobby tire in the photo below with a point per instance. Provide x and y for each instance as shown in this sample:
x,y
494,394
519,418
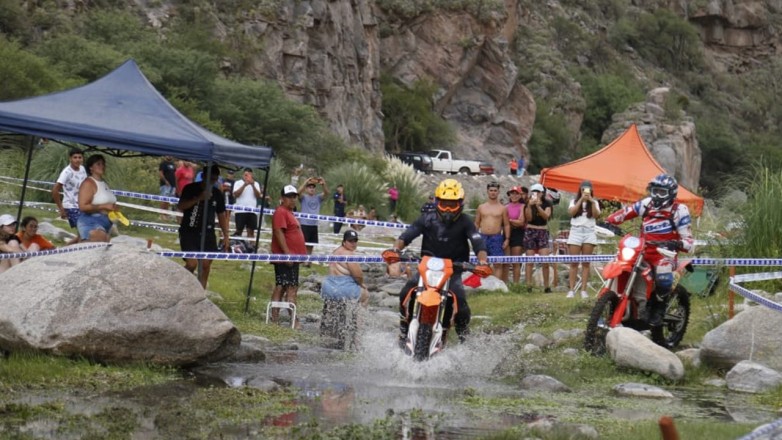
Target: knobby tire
x,y
422,341
595,336
677,317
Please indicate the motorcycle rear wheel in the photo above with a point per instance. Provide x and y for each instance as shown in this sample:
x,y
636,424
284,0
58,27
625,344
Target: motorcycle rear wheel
x,y
422,341
597,326
677,316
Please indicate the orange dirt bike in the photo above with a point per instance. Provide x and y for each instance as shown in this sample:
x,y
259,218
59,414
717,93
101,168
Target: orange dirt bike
x,y
426,303
616,306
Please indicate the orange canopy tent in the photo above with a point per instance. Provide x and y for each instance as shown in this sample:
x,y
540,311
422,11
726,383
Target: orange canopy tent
x,y
619,171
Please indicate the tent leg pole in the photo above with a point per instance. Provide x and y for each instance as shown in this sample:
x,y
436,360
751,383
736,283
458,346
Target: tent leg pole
x,y
257,240
26,176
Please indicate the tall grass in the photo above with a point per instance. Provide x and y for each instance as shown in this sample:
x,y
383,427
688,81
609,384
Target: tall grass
x,y
762,216
410,186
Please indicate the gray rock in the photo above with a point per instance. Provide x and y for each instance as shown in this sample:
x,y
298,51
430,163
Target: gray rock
x,y
716,382
540,382
113,304
262,384
629,348
752,334
752,377
641,390
530,348
539,340
690,356
571,352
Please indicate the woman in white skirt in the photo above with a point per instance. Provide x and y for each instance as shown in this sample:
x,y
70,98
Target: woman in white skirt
x,y
583,210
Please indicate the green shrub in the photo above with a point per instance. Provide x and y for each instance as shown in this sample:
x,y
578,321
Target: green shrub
x,y
363,186
605,94
410,122
661,37
550,139
25,74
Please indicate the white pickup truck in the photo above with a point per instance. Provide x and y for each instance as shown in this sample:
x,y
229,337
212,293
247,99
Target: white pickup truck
x,y
443,161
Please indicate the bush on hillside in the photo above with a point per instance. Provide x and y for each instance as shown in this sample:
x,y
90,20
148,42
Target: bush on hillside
x,y
410,122
550,139
661,37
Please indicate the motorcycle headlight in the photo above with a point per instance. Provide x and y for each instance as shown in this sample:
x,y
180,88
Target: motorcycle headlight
x,y
627,254
433,277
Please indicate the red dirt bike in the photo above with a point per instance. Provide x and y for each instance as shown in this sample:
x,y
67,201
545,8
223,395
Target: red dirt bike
x,y
616,306
426,334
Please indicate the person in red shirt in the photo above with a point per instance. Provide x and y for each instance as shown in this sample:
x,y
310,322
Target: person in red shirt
x,y
287,238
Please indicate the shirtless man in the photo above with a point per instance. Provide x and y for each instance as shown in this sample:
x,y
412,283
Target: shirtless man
x,y
493,223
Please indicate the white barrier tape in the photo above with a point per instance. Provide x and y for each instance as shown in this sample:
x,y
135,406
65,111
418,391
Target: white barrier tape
x,y
746,293
236,208
64,250
763,430
756,277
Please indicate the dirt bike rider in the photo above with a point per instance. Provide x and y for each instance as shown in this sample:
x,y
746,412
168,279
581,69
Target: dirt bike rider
x,y
663,220
447,233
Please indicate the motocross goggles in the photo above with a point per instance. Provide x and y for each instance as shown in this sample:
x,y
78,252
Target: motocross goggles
x,y
452,206
659,192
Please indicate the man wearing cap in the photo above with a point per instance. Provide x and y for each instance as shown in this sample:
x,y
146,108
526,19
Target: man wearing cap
x,y
247,192
68,183
9,242
491,219
196,198
345,280
287,239
310,204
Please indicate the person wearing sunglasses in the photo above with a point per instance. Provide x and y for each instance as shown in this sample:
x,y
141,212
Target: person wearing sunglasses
x,y
663,221
447,233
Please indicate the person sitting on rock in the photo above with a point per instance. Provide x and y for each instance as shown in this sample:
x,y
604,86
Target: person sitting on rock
x,y
31,240
9,242
345,280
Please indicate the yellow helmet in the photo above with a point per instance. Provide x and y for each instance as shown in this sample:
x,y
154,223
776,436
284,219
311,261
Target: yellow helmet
x,y
449,189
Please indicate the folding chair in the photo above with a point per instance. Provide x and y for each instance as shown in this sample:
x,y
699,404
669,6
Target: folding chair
x,y
559,247
282,305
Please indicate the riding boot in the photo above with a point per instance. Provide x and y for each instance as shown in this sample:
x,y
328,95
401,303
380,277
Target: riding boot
x,y
403,326
462,331
658,337
657,307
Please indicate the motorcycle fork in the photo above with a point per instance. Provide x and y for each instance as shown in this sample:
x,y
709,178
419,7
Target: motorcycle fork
x,y
623,310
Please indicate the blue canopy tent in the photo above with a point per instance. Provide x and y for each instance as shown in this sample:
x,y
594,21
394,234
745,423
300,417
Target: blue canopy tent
x,y
123,111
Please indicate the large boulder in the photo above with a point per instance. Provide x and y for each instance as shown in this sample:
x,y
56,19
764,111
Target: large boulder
x,y
116,304
628,348
751,335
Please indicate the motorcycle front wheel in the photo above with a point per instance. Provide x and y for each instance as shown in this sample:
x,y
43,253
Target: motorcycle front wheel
x,y
677,316
597,326
422,341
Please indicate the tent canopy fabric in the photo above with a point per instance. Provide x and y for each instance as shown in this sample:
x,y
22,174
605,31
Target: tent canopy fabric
x,y
619,171
123,110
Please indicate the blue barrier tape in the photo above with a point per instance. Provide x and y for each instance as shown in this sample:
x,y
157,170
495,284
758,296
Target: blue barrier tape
x,y
763,430
64,250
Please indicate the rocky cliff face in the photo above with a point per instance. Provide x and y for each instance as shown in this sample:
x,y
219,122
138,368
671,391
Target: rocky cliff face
x,y
470,62
671,141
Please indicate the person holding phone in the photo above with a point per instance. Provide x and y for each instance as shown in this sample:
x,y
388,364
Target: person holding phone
x,y
583,211
537,213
